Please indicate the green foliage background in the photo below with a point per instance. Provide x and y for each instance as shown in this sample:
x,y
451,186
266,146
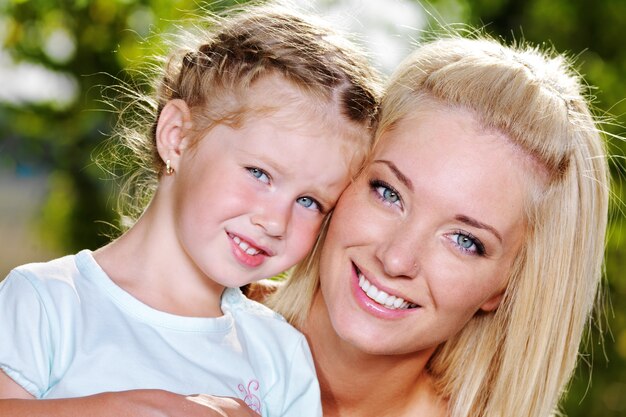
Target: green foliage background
x,y
110,35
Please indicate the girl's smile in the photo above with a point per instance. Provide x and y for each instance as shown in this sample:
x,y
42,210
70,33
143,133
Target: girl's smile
x,y
247,252
249,199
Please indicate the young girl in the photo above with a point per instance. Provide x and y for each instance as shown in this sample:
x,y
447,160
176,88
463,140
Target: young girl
x,y
257,132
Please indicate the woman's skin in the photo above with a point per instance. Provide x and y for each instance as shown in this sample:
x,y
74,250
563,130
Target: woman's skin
x,y
436,219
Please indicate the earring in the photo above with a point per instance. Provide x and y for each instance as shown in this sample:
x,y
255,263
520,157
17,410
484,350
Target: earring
x,y
168,168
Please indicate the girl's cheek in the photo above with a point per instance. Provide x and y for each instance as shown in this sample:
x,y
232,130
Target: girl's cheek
x,y
305,232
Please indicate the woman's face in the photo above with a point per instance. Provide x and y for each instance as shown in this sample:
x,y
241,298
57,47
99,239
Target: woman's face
x,y
426,237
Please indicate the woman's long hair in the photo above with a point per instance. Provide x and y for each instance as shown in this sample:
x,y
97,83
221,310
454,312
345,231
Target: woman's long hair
x,y
518,360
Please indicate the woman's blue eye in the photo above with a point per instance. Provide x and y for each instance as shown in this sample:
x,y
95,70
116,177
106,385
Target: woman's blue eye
x,y
468,243
386,192
259,174
309,203
389,195
464,241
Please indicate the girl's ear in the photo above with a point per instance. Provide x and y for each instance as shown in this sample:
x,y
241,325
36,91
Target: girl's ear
x,y
172,131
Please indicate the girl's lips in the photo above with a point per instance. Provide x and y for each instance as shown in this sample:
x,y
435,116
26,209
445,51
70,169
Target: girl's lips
x,y
378,302
246,243
246,252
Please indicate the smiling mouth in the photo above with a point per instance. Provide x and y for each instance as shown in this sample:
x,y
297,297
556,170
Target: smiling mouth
x,y
391,302
246,246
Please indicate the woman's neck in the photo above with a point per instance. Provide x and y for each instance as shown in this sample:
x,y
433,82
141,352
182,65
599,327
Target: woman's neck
x,y
357,384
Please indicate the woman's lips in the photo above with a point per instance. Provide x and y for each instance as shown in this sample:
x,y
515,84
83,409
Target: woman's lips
x,y
381,303
381,297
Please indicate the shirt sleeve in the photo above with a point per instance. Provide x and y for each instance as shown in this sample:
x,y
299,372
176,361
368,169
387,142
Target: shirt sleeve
x,y
301,397
25,347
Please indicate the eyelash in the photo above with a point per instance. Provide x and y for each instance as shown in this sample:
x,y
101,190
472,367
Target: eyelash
x,y
252,170
480,248
375,184
320,209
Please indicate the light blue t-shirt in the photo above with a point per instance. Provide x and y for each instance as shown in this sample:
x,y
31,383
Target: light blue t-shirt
x,y
67,330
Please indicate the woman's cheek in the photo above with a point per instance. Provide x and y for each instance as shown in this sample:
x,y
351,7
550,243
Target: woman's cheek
x,y
355,210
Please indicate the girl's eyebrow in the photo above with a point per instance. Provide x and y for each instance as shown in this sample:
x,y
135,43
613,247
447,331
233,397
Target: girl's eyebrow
x,y
403,178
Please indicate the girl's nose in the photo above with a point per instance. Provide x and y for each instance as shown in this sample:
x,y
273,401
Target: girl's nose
x,y
273,218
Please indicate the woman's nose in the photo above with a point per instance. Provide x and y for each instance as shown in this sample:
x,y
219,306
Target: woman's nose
x,y
399,254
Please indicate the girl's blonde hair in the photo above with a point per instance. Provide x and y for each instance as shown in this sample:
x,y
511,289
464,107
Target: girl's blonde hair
x,y
518,360
213,70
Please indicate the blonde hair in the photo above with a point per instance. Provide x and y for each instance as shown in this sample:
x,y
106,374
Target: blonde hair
x,y
232,52
518,360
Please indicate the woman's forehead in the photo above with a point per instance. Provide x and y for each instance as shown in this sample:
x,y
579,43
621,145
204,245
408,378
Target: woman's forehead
x,y
458,164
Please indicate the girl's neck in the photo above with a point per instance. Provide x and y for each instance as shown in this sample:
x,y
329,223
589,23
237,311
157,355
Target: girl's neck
x,y
146,262
357,384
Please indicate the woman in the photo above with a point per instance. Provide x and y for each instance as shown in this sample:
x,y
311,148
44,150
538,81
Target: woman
x,y
458,272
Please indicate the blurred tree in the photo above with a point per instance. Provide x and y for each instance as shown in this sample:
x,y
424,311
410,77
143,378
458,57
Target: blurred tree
x,y
87,44
591,32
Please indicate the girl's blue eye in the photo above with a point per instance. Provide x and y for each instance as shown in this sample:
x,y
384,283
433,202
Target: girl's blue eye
x,y
310,203
468,243
259,174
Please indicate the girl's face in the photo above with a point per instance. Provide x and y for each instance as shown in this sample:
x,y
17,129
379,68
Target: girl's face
x,y
426,237
249,201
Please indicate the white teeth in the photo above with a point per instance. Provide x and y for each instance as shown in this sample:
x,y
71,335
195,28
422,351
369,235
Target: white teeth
x,y
390,300
245,246
381,297
372,292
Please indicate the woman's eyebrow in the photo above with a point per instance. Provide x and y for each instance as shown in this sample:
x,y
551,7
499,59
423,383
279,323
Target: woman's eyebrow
x,y
403,178
475,223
